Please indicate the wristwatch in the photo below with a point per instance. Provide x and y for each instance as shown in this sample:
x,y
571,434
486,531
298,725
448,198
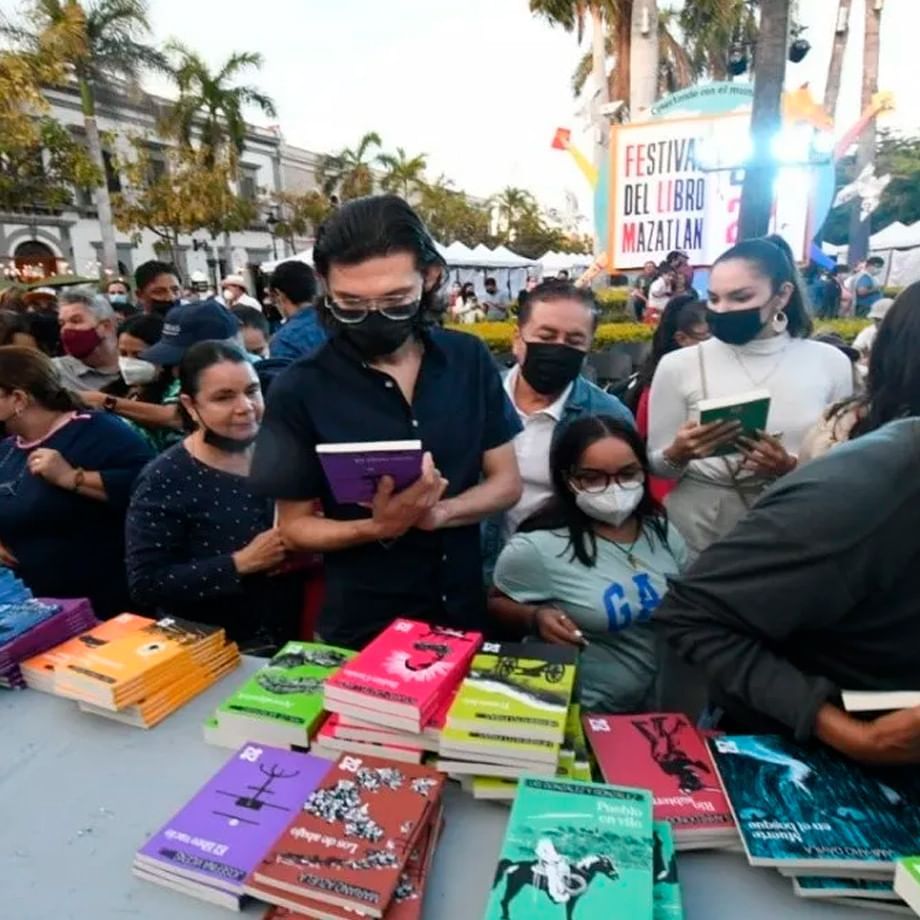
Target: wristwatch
x,y
110,403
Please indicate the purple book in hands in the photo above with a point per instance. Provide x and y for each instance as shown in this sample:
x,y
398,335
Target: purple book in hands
x,y
222,833
355,469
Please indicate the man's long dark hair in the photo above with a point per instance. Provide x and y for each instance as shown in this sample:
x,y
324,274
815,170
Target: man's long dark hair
x,y
379,225
561,512
894,366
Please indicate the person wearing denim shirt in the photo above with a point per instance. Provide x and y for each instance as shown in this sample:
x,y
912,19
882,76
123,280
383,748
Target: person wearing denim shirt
x,y
555,331
293,287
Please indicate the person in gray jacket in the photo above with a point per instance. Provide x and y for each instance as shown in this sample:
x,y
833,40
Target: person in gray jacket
x,y
817,590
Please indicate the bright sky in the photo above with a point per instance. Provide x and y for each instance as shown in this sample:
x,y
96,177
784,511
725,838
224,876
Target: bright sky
x,y
478,85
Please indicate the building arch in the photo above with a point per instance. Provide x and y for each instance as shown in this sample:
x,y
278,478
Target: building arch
x,y
36,252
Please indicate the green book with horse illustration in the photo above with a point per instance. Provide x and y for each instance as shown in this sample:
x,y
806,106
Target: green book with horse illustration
x,y
575,851
519,689
282,703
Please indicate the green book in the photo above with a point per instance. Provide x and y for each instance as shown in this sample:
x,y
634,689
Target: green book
x,y
467,745
577,850
668,902
282,703
494,788
750,409
907,882
520,689
575,739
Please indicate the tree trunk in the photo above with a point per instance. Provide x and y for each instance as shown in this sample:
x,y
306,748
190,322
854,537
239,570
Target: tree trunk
x,y
865,155
760,176
835,69
643,63
619,79
101,192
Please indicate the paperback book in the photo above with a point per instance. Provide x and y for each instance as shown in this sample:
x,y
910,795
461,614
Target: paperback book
x,y
668,901
330,742
282,703
458,742
354,470
879,701
574,850
350,843
520,690
665,753
820,886
403,675
223,832
809,808
907,882
750,409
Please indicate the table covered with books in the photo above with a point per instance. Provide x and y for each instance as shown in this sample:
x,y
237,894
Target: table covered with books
x,y
79,794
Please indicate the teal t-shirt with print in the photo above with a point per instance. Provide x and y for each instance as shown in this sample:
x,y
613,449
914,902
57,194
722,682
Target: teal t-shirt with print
x,y
612,603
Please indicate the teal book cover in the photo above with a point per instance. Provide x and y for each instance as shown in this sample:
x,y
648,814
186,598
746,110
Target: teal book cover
x,y
575,851
807,807
668,902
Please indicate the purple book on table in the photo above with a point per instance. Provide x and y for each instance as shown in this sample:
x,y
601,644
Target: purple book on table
x,y
354,469
228,826
73,616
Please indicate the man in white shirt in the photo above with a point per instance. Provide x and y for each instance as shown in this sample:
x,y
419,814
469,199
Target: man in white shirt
x,y
866,339
555,331
233,289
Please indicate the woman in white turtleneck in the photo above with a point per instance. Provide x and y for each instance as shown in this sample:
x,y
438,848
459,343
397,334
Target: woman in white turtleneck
x,y
760,327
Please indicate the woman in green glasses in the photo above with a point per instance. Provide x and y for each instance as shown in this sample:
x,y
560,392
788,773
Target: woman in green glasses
x,y
590,568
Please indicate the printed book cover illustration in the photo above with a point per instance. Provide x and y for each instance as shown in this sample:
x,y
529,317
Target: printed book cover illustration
x,y
665,753
810,808
751,409
668,901
355,469
411,664
18,618
574,850
220,835
289,689
351,841
517,689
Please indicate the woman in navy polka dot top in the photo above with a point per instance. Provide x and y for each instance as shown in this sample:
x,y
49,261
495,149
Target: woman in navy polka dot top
x,y
200,543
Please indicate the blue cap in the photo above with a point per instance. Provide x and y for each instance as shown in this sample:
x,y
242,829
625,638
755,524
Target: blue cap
x,y
187,325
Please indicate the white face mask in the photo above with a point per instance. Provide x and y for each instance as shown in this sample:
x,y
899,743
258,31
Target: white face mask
x,y
612,506
136,372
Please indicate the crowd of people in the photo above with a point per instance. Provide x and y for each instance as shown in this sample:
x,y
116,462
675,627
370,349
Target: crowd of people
x,y
161,456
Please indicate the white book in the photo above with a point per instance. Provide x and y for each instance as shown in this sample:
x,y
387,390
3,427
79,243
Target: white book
x,y
879,701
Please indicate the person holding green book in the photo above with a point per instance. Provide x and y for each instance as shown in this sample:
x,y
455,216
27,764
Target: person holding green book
x,y
760,326
590,567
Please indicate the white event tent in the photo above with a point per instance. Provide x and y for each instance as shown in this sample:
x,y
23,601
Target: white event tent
x,y
899,245
574,263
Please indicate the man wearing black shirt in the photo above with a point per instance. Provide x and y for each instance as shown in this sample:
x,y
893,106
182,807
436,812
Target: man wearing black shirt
x,y
816,591
386,375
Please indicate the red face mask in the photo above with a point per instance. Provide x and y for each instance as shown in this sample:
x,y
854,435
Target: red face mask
x,y
79,343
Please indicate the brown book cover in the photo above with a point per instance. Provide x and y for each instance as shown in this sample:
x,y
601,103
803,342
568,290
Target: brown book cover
x,y
350,844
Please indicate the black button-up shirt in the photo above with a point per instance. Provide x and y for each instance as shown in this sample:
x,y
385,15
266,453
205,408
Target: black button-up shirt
x,y
459,410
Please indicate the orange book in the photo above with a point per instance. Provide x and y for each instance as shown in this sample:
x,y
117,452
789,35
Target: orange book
x,y
39,670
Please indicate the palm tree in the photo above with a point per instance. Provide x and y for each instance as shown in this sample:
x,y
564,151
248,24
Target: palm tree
x,y
403,175
211,102
349,172
210,107
512,204
101,42
709,28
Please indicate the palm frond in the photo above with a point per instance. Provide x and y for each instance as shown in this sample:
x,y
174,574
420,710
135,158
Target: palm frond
x,y
237,62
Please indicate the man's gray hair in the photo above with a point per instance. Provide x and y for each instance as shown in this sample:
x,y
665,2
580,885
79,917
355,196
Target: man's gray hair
x,y
98,305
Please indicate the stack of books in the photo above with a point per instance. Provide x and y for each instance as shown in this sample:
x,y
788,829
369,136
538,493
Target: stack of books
x,y
402,683
835,827
212,844
335,738
573,764
578,850
31,626
510,713
358,843
282,703
664,752
135,670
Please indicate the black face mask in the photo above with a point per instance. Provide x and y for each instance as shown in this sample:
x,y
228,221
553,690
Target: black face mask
x,y
549,368
376,335
737,327
226,444
162,307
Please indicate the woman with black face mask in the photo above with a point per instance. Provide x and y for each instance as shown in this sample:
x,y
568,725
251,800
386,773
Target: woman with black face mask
x,y
201,544
760,326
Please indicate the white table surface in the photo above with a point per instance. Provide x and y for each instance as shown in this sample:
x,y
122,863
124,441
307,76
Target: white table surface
x,y
79,794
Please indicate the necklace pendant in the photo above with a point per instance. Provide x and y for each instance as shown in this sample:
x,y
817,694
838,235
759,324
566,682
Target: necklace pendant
x,y
632,560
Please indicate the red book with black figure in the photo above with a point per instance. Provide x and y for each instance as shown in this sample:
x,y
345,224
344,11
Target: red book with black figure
x,y
665,753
